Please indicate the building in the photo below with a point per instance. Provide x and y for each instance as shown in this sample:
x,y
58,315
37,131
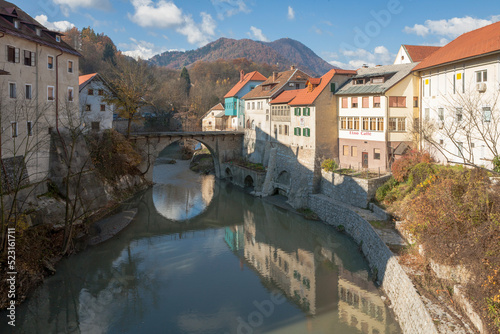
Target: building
x,y
258,129
414,53
96,113
377,111
233,103
216,120
281,118
39,96
460,120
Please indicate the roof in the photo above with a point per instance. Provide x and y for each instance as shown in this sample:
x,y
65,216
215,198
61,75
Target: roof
x,y
84,80
395,73
218,107
286,96
252,76
314,81
28,28
306,96
471,44
418,53
273,86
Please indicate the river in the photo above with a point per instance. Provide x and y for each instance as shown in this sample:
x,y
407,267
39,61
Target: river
x,y
204,257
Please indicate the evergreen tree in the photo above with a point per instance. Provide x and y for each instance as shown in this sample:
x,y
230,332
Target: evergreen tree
x,y
109,54
187,80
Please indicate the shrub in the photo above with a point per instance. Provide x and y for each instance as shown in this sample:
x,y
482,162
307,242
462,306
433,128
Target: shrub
x,y
382,191
329,165
401,168
496,164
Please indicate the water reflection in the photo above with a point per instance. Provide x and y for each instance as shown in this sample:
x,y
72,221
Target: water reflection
x,y
207,275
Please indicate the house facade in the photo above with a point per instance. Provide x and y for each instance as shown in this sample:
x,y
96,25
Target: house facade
x,y
460,117
40,95
216,120
233,102
377,111
414,53
96,113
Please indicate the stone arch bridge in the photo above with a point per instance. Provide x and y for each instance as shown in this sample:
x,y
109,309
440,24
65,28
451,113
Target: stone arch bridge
x,y
223,145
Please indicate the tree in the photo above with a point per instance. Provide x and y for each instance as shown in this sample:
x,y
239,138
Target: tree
x,y
185,80
134,85
467,128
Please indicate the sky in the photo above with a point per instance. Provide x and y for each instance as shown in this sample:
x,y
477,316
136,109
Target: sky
x,y
346,34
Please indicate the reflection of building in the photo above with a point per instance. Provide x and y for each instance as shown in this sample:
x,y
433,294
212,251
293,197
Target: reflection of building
x,y
234,237
360,305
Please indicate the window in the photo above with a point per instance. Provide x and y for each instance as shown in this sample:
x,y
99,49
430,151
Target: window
x,y
343,123
27,92
426,114
376,102
70,94
286,130
50,62
296,131
13,129
392,124
366,121
103,107
415,102
344,102
373,124
487,114
12,90
307,132
29,58
378,80
306,111
16,24
280,129
12,54
58,38
397,124
253,105
70,66
95,126
458,114
100,92
440,113
29,128
397,101
365,102
90,92
332,87
297,111
50,93
441,142
38,32
380,124
481,76
354,151
346,149
401,123
354,102
376,153
460,149
356,123
350,123
248,104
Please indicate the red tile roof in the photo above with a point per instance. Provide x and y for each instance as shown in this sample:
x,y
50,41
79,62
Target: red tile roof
x,y
84,78
218,106
252,76
274,84
420,52
314,81
286,96
474,43
307,97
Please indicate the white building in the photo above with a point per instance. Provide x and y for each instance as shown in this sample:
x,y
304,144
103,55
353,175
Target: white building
x,y
460,116
414,53
97,114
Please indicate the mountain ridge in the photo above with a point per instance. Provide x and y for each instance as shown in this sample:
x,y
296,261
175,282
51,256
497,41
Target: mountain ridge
x,y
283,53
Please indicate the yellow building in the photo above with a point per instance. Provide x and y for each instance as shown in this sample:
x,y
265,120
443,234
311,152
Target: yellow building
x,y
38,96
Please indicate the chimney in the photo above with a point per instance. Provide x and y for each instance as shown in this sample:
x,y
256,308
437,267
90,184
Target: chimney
x,y
292,67
275,76
242,74
365,66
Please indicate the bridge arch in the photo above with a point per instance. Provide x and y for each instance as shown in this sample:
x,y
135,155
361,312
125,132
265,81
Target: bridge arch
x,y
222,145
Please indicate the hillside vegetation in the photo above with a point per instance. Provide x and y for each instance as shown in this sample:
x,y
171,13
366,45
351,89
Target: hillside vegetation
x,y
454,213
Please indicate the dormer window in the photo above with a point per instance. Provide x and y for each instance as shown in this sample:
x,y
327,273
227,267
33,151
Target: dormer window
x,y
16,24
38,32
58,38
378,80
359,81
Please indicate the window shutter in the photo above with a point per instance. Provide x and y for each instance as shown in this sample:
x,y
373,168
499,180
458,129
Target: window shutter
x,y
17,56
332,87
33,59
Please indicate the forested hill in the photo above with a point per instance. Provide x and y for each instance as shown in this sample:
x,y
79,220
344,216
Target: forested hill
x,y
283,53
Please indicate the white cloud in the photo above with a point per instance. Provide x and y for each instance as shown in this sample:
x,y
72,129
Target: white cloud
x,y
166,14
59,25
227,8
291,13
140,49
66,5
354,59
257,34
451,28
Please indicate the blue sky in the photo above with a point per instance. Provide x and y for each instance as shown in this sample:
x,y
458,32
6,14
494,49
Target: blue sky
x,y
345,33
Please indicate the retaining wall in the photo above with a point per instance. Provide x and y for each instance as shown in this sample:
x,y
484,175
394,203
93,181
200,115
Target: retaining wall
x,y
407,305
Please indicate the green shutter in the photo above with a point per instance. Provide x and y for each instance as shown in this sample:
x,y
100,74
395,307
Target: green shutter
x,y
297,111
332,87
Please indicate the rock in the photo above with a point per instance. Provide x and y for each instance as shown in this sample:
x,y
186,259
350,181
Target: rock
x,y
49,267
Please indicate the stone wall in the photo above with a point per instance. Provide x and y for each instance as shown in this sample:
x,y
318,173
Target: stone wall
x,y
352,190
237,175
407,305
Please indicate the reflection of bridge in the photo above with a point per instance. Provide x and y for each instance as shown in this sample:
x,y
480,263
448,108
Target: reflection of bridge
x,y
223,145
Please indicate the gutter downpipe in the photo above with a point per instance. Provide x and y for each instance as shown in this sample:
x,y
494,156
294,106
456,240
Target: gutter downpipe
x,y
57,105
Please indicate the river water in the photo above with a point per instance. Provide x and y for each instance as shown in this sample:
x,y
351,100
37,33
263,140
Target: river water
x,y
204,257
